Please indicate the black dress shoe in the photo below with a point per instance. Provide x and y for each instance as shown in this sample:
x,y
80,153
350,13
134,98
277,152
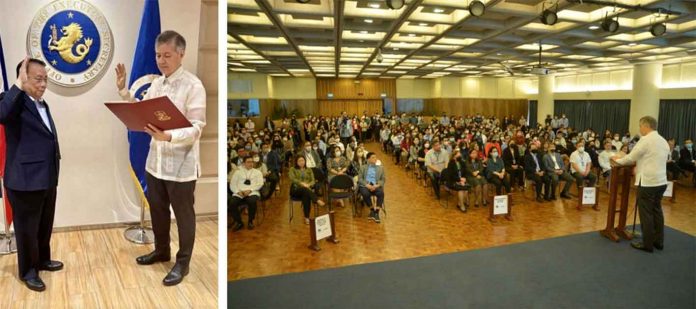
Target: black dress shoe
x,y
35,284
641,246
51,266
153,257
250,225
566,196
658,246
237,227
176,275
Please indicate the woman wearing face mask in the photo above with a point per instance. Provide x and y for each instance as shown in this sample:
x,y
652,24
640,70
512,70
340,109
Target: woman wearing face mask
x,y
474,176
495,169
337,165
456,179
421,161
413,151
357,162
302,181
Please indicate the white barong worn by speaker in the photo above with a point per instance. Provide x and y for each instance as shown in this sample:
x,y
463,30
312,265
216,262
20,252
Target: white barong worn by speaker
x,y
650,155
239,181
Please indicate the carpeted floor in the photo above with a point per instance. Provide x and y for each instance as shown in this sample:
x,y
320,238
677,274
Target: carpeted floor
x,y
577,271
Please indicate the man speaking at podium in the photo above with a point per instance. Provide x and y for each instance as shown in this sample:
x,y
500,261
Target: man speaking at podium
x,y
650,155
173,162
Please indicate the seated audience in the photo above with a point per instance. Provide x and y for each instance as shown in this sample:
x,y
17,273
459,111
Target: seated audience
x,y
553,164
371,183
301,185
456,180
581,166
474,173
534,169
245,185
435,161
495,169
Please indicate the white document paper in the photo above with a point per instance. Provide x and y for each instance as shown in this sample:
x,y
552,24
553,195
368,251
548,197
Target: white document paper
x,y
500,205
670,189
589,194
322,226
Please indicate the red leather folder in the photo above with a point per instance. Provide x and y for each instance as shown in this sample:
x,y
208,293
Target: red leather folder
x,y
159,112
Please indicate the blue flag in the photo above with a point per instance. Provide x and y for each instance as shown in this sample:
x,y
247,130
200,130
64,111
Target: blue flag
x,y
144,71
3,76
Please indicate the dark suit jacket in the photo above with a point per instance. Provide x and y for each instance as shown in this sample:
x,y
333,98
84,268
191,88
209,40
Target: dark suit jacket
x,y
548,162
452,173
530,166
33,154
507,157
685,157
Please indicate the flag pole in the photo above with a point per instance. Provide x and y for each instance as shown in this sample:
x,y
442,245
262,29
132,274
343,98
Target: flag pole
x,y
8,244
140,233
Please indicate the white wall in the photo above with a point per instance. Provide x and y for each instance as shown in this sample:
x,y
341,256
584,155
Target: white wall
x,y
94,185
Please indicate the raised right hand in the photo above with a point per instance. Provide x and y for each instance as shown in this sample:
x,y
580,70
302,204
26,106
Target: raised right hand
x,y
22,78
120,76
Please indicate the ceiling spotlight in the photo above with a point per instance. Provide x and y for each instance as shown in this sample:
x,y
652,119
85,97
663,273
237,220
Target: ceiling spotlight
x,y
438,11
422,24
374,5
380,58
369,21
363,31
411,34
395,4
476,8
303,1
549,17
610,25
658,29
594,27
632,44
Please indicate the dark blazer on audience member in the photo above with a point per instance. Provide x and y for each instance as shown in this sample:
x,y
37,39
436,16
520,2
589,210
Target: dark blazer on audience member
x,y
454,173
548,162
530,166
507,157
685,157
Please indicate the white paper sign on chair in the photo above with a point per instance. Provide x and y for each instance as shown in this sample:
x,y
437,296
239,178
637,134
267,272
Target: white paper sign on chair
x,y
589,194
670,189
323,226
500,205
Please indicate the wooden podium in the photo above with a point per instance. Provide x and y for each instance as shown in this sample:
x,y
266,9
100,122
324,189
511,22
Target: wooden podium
x,y
620,177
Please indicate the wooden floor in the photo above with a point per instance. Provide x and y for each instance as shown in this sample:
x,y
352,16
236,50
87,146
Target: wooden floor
x,y
100,272
416,225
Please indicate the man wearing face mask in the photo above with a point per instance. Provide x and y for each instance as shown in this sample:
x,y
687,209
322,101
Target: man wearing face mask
x,y
555,169
649,155
687,157
534,169
245,186
581,165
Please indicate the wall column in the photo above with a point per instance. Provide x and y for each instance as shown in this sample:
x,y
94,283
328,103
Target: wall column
x,y
645,98
547,83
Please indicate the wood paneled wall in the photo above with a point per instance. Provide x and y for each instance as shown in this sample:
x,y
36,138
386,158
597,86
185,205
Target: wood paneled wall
x,y
348,88
351,107
470,106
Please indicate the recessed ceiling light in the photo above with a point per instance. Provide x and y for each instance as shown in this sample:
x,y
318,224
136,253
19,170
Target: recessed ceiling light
x,y
422,24
498,54
594,27
363,32
438,10
411,34
369,21
396,48
632,44
374,5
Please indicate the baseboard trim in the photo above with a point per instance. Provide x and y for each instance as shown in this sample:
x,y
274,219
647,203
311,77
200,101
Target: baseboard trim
x,y
199,218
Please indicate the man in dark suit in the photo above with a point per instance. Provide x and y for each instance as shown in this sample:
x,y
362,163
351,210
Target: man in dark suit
x,y
513,164
553,165
31,171
534,168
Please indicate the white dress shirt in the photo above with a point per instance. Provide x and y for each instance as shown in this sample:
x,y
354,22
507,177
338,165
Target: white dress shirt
x,y
650,155
41,107
179,159
241,176
604,159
